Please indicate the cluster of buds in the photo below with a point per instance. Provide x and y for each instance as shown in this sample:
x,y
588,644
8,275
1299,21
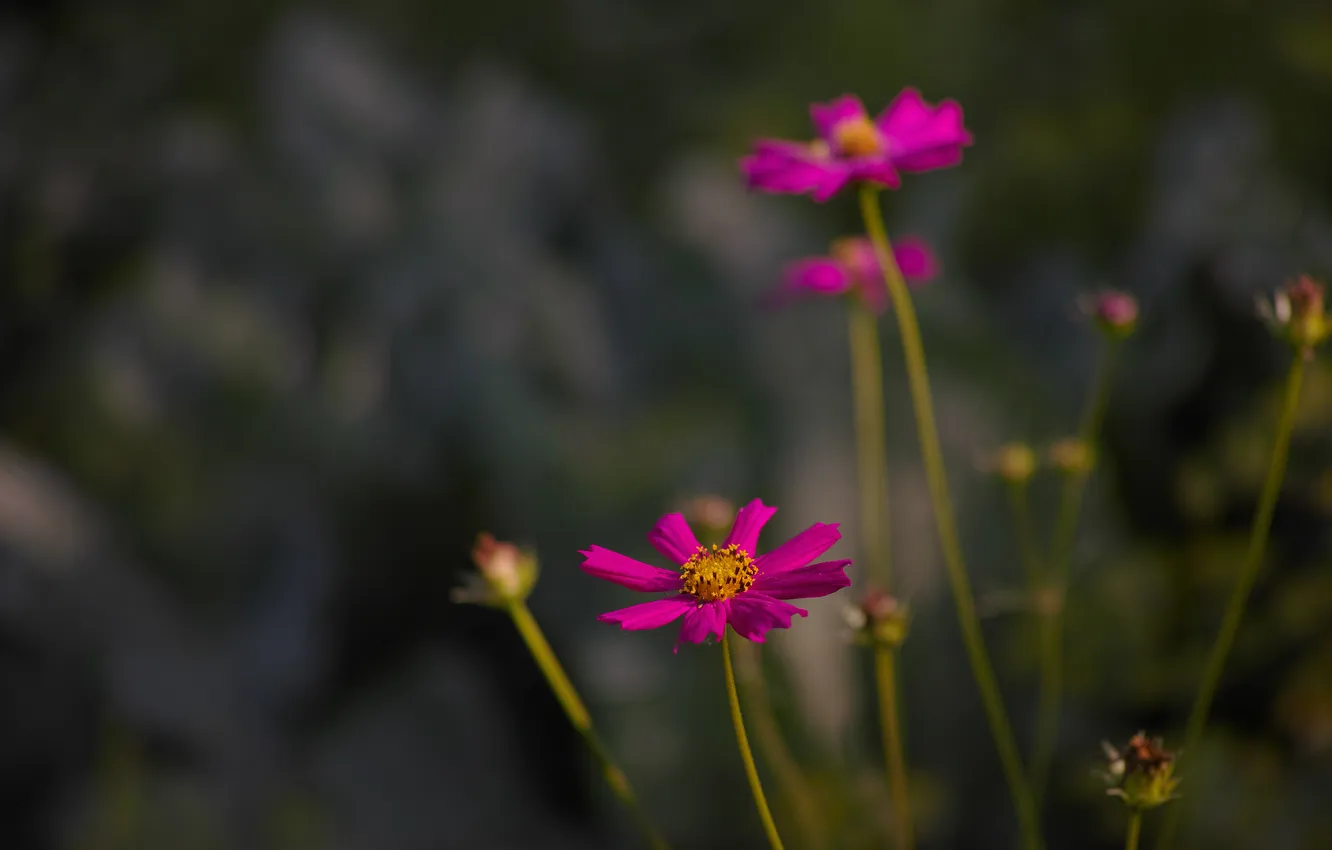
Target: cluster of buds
x,y
1142,775
1296,314
879,620
504,575
1115,313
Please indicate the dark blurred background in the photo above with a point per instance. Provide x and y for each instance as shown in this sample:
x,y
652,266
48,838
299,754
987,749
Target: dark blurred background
x,y
296,298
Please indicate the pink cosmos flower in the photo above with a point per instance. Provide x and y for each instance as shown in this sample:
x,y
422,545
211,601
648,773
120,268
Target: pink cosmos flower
x,y
717,585
910,135
853,265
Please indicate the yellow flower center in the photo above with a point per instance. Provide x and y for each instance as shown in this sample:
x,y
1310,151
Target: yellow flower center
x,y
857,137
717,573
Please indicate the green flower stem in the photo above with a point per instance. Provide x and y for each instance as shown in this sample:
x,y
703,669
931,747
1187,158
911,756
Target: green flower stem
x,y
795,791
1019,505
1134,828
932,455
765,814
871,440
1239,597
581,720
871,451
885,675
1051,610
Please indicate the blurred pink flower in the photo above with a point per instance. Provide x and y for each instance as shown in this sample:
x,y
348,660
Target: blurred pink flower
x,y
852,265
726,584
910,135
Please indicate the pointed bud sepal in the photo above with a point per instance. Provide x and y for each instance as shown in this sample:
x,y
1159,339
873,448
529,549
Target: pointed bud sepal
x,y
1298,315
504,575
1142,774
880,619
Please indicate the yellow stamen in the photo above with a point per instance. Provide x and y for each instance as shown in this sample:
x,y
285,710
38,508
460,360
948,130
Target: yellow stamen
x,y
717,573
857,137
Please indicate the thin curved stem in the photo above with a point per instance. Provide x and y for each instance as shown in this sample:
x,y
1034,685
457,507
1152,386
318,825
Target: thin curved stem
x,y
1248,574
1134,828
1056,593
751,771
581,720
885,675
871,440
795,790
932,455
871,451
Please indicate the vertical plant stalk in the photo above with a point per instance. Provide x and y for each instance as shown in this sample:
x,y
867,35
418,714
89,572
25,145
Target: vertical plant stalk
x,y
1052,599
872,458
885,676
1248,574
581,720
1019,505
1134,828
795,791
932,455
751,771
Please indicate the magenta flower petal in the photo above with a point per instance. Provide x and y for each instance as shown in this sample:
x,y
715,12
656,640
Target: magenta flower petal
x,y
881,171
808,582
650,615
748,523
752,615
709,618
921,137
819,274
673,538
826,116
793,168
635,575
915,259
799,550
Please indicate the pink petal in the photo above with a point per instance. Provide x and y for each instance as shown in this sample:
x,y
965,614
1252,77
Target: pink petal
x,y
626,572
921,137
881,170
650,615
799,550
673,538
706,618
793,168
808,582
826,116
752,615
748,523
915,259
818,274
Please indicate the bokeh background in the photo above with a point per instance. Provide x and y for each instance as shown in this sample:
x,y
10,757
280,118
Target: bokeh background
x,y
296,298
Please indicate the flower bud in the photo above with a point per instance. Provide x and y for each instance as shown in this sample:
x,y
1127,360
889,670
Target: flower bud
x,y
711,516
1116,313
1015,463
1142,775
1072,456
879,620
1297,314
505,574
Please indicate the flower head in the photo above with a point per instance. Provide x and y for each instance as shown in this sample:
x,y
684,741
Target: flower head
x,y
1116,313
505,574
1142,775
853,267
1072,456
727,583
1015,463
910,135
880,619
1297,315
